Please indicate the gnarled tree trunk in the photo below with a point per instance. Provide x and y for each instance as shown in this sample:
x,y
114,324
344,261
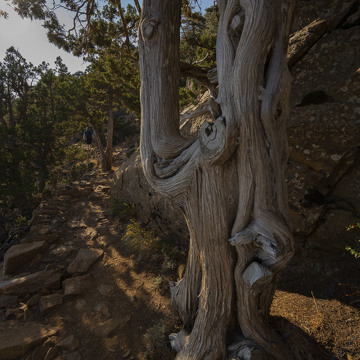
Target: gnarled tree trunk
x,y
230,181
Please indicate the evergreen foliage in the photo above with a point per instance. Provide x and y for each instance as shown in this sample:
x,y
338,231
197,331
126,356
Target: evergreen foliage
x,y
39,113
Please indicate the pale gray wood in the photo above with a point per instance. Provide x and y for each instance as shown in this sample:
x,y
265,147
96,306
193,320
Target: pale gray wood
x,y
231,181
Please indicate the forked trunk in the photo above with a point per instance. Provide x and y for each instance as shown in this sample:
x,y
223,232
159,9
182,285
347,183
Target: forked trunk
x,y
230,182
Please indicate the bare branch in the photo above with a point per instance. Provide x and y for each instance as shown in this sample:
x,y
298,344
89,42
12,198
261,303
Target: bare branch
x,y
138,7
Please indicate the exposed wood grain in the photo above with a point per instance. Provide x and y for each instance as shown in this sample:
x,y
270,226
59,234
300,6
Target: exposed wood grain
x,y
231,181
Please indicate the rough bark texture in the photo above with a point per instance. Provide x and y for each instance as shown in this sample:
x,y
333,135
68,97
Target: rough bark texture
x,y
230,181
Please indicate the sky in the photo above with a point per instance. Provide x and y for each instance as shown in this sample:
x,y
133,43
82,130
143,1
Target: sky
x,y
29,38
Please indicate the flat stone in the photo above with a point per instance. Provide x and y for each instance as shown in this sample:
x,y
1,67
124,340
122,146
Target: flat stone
x,y
84,259
17,339
106,328
39,219
30,284
8,300
40,229
102,309
76,223
50,301
62,250
49,238
19,255
34,300
71,343
105,290
77,285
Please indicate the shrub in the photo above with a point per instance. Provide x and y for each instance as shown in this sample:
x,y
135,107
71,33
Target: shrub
x,y
157,342
356,249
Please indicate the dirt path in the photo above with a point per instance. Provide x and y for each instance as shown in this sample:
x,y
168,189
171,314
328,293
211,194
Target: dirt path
x,y
103,305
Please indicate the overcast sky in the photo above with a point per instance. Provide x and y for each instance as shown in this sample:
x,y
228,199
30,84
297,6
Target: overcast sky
x,y
30,39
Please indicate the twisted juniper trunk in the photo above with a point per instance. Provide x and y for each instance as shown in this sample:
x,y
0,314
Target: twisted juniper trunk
x,y
230,182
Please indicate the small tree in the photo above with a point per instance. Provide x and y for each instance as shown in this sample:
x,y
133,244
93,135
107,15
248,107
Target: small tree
x,y
229,182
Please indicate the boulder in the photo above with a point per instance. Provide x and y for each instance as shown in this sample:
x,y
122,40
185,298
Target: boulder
x,y
71,343
108,327
20,255
50,301
83,260
106,290
40,229
40,352
40,219
30,284
332,235
103,309
131,187
52,353
75,286
17,339
8,300
49,238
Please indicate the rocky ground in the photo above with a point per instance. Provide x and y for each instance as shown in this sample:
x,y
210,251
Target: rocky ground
x,y
72,290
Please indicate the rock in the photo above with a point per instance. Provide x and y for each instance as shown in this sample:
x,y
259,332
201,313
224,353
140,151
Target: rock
x,y
36,298
103,309
126,353
109,326
70,344
40,229
84,259
75,193
76,223
331,235
49,238
103,189
40,352
72,356
10,312
19,255
17,339
50,301
30,284
131,187
62,250
106,290
8,300
77,285
90,233
52,353
39,219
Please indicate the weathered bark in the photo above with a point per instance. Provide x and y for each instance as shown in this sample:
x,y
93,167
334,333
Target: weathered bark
x,y
231,181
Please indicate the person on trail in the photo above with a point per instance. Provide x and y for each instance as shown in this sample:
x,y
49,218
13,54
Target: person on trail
x,y
88,137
